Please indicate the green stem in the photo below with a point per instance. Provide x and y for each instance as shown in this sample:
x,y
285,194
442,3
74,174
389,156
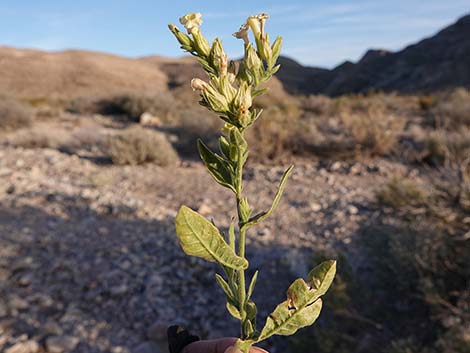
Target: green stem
x,y
241,245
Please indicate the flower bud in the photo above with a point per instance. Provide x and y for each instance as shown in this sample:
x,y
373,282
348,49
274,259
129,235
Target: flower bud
x,y
218,57
198,85
243,97
264,48
215,100
276,48
253,62
201,45
182,38
191,22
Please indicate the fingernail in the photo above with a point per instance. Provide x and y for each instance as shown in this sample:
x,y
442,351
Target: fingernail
x,y
233,350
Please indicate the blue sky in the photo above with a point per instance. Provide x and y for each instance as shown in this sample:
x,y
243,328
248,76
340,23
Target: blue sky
x,y
316,32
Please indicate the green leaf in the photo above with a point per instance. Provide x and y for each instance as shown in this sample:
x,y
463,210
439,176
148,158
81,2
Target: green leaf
x,y
225,286
259,92
245,209
199,237
303,303
224,146
252,285
285,321
321,277
263,215
251,310
218,167
233,310
248,328
231,234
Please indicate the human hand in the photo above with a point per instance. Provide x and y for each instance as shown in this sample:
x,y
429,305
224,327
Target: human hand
x,y
222,345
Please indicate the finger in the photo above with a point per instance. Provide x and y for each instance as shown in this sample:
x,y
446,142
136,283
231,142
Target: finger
x,y
222,345
212,346
234,349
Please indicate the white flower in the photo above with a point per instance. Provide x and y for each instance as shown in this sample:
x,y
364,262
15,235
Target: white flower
x,y
243,33
191,22
262,17
198,85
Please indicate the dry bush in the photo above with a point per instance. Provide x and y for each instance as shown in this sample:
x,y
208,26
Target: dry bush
x,y
137,145
318,105
45,136
406,293
129,105
426,103
452,109
191,124
40,137
271,135
443,146
374,130
14,114
400,193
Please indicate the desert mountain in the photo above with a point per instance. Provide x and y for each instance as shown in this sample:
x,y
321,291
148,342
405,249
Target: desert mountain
x,y
34,73
78,73
435,63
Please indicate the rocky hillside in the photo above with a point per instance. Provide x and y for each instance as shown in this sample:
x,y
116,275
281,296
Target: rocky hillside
x,y
435,63
78,73
34,73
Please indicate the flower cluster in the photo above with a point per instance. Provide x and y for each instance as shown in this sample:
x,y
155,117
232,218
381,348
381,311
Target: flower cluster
x,y
232,85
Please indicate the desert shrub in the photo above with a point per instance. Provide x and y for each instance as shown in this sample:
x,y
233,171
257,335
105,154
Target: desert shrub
x,y
191,124
399,193
14,114
131,106
452,109
426,102
442,146
318,105
44,136
137,145
269,136
39,137
373,130
407,293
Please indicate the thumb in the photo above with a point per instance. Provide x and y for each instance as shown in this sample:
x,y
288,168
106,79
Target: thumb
x,y
234,349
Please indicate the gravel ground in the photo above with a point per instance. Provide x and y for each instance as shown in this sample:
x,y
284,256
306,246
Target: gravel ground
x,y
89,260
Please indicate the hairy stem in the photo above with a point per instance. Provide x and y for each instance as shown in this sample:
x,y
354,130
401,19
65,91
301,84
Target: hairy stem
x,y
241,244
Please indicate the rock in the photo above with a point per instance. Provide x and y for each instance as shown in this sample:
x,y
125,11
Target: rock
x,y
205,209
315,207
11,189
352,210
336,166
3,310
119,290
6,324
24,347
18,303
147,347
61,344
147,119
25,280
